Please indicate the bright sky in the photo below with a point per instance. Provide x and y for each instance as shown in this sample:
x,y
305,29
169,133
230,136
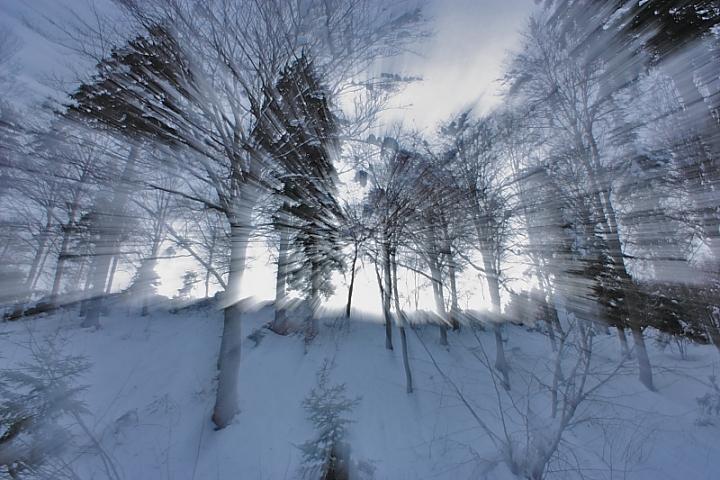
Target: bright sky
x,y
459,67
461,63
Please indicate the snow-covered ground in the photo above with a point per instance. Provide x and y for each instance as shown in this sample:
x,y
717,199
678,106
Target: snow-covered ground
x,y
151,393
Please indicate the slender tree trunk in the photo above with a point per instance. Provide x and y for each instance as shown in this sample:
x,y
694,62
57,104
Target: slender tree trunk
x,y
98,281
62,261
491,275
226,401
624,350
33,273
315,279
208,270
401,325
279,324
111,275
454,310
439,299
106,248
33,287
551,320
433,261
152,262
35,266
68,231
386,293
352,282
645,376
86,289
608,219
701,169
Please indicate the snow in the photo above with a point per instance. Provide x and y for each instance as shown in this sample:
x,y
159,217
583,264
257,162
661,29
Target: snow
x,y
151,395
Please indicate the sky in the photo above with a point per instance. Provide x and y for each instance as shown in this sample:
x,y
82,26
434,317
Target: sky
x,y
459,67
461,64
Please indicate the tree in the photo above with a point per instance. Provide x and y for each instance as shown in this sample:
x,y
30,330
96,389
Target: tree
x,y
564,96
677,37
298,130
327,454
479,172
193,78
404,187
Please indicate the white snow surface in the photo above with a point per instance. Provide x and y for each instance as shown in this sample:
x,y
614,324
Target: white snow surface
x,y
151,393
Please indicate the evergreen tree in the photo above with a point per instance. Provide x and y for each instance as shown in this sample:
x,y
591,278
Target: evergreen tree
x,y
327,455
298,130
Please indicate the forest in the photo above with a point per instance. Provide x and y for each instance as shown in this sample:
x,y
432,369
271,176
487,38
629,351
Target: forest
x,y
529,288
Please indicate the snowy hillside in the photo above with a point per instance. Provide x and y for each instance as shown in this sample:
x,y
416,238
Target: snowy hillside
x,y
150,396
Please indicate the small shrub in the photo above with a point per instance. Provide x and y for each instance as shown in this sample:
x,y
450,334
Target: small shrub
x,y
710,404
34,398
326,456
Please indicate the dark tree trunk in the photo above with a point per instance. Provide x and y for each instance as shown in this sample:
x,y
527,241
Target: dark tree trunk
x,y
401,325
645,375
386,293
454,310
62,261
106,248
315,280
433,262
500,361
493,281
279,323
624,350
226,400
352,282
226,403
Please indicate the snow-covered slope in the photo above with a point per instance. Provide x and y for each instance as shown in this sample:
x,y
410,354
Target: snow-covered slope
x,y
150,397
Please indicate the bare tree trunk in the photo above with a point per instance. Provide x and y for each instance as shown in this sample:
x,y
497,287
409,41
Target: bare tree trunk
x,y
149,270
386,293
500,361
208,270
352,282
491,275
278,324
624,350
33,287
107,245
98,276
31,279
608,219
454,310
98,279
62,261
433,262
401,325
86,289
316,278
68,230
111,275
35,266
226,401
439,301
645,375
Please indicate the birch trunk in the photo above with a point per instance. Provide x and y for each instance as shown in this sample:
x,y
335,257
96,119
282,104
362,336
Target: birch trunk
x,y
226,401
279,324
107,246
401,324
352,282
